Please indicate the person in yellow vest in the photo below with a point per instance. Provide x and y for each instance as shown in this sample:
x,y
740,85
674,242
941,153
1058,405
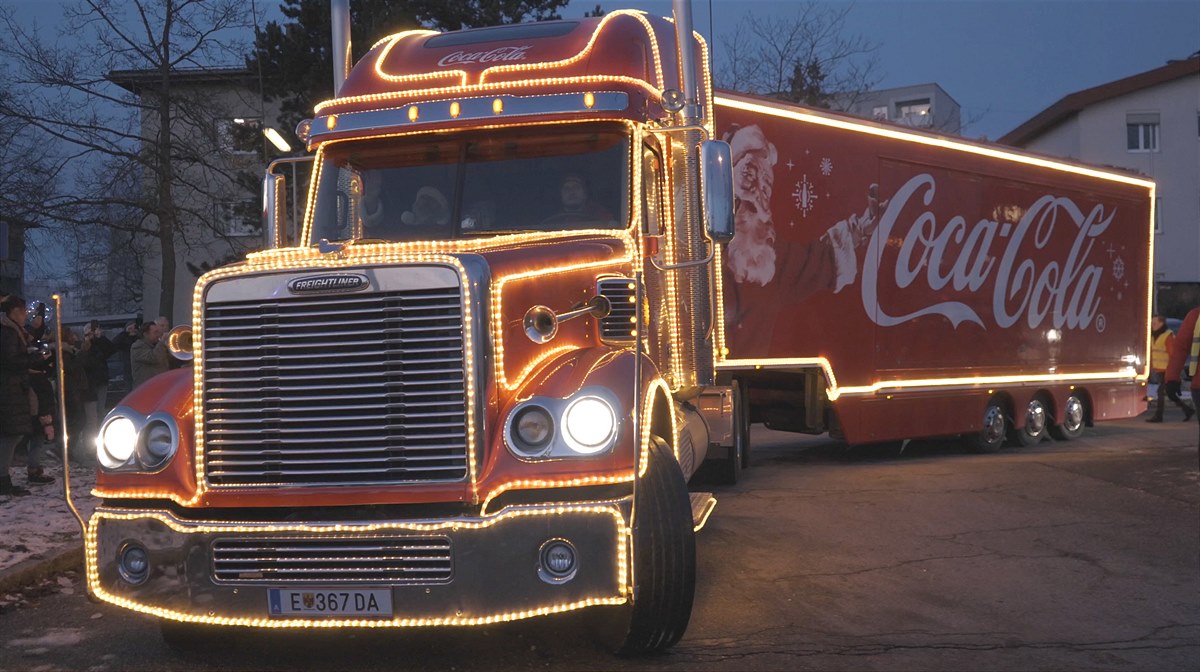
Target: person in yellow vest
x,y
1186,349
1162,340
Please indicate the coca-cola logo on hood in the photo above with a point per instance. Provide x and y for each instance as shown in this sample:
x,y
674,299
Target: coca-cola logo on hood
x,y
497,55
955,256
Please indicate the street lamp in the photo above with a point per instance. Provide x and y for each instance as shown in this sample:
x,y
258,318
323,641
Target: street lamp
x,y
276,139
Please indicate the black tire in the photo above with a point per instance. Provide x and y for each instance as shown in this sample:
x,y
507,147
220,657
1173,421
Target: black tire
x,y
990,438
1036,427
1071,425
664,559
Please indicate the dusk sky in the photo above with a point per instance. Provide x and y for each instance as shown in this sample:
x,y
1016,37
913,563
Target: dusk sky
x,y
1003,61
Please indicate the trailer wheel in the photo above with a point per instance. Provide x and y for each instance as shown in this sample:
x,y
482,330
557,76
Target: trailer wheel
x,y
1037,422
1071,426
664,560
990,438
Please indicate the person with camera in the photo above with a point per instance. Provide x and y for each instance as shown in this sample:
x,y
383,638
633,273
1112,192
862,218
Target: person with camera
x,y
148,354
18,401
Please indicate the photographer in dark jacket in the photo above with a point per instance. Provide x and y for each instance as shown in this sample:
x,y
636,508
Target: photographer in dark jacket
x,y
94,353
17,400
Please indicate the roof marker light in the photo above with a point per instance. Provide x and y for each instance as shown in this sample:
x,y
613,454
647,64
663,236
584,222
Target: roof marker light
x,y
497,106
589,100
413,114
455,110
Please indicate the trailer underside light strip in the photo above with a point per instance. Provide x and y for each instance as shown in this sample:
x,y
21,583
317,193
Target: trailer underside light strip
x,y
834,391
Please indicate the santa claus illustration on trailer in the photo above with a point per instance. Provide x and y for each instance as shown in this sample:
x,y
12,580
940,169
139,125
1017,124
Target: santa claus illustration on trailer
x,y
756,258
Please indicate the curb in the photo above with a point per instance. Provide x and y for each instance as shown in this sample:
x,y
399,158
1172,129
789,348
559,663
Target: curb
x,y
34,569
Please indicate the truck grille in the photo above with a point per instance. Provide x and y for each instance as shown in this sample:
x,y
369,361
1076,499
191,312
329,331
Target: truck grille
x,y
364,388
618,326
333,560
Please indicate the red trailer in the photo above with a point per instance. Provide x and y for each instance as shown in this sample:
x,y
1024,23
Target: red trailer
x,y
886,283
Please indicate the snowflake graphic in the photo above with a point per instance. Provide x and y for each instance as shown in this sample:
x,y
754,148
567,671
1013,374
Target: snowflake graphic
x,y
804,196
826,166
1118,268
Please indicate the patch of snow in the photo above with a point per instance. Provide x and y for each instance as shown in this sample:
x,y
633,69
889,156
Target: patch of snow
x,y
51,638
40,522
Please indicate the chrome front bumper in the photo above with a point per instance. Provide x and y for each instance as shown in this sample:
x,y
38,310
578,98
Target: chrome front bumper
x,y
496,566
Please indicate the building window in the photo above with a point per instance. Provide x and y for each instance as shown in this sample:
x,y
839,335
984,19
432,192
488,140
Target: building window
x,y
1158,214
240,218
915,112
880,112
1141,132
240,135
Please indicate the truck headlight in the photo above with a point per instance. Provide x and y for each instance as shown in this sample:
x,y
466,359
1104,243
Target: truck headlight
x,y
130,441
118,439
581,425
531,430
159,441
589,424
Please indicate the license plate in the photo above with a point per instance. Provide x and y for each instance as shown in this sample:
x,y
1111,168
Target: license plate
x,y
329,602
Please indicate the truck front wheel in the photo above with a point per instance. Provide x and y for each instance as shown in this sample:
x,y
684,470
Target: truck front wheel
x,y
664,559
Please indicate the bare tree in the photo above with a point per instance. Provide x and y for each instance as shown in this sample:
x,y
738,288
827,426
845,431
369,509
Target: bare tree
x,y
803,57
143,164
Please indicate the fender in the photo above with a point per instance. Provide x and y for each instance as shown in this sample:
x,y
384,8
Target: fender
x,y
170,393
560,378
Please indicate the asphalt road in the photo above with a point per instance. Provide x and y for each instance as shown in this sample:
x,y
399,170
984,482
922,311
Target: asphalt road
x,y
1078,555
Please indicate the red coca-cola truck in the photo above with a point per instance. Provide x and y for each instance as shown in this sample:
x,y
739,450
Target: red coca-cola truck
x,y
543,273
888,284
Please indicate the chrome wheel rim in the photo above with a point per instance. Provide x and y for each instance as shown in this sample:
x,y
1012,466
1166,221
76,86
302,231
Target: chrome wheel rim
x,y
993,424
1073,419
1035,419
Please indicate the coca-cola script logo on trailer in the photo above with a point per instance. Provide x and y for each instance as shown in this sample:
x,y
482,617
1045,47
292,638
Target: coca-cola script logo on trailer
x,y
497,55
1026,285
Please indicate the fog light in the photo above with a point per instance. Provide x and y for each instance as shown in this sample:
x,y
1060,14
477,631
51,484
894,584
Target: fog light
x,y
134,564
557,561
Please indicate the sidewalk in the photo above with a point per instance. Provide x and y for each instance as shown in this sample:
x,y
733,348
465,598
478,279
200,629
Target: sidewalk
x,y
39,536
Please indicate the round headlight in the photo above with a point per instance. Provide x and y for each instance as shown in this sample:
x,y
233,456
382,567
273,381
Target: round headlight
x,y
532,429
160,442
118,440
589,423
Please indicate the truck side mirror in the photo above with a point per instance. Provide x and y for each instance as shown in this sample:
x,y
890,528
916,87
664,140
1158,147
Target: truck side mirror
x,y
716,187
274,212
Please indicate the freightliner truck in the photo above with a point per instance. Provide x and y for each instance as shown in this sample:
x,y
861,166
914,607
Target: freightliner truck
x,y
542,274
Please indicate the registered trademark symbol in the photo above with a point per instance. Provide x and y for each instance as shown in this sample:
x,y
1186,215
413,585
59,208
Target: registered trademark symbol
x,y
1101,323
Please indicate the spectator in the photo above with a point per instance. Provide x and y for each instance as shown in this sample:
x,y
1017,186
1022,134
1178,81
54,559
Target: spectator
x,y
163,323
1186,349
148,355
94,352
15,392
77,393
1162,341
122,343
43,403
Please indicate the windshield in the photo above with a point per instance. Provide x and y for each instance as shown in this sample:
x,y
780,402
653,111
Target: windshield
x,y
534,179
